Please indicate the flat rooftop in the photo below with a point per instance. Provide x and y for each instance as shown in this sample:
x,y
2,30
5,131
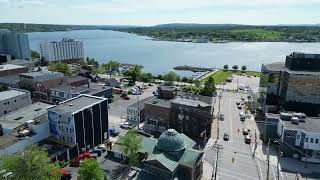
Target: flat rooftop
x,y
190,102
141,102
311,124
160,102
75,104
6,67
280,66
70,89
11,94
43,75
22,115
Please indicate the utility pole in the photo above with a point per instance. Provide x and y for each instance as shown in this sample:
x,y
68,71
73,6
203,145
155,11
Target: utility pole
x,y
138,111
305,165
255,142
268,159
218,118
218,147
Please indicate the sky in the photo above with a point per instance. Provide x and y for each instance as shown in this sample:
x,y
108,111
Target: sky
x,y
152,12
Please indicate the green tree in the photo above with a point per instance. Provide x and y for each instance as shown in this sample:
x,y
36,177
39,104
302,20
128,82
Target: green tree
x,y
244,68
60,67
130,145
134,72
209,88
226,67
29,164
185,79
146,77
90,169
160,77
34,54
235,67
170,77
111,67
178,79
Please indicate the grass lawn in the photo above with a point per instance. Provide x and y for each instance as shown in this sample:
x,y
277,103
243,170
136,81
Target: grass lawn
x,y
222,75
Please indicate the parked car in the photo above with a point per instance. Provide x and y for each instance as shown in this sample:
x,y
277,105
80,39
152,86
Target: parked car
x,y
150,84
239,106
113,132
247,139
126,125
125,98
245,131
242,116
102,147
96,151
221,117
226,137
238,102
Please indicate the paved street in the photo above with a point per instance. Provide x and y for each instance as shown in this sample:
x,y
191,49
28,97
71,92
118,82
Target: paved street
x,y
244,166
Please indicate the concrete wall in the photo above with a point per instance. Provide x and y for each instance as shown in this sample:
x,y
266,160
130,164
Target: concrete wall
x,y
12,104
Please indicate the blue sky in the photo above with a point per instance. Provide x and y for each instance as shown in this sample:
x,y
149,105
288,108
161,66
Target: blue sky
x,y
151,12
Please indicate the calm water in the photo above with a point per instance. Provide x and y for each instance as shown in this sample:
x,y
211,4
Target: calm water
x,y
162,56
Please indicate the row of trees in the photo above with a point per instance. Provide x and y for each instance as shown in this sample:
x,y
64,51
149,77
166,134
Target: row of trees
x,y
33,163
235,67
208,88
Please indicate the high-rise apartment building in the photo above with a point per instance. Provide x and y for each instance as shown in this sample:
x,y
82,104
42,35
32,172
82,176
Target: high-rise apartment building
x,y
14,44
66,50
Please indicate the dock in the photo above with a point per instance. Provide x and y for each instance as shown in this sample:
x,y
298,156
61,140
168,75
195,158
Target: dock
x,y
192,68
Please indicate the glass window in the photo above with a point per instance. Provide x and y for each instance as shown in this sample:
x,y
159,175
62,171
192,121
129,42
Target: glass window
x,y
70,139
67,129
311,140
317,141
307,139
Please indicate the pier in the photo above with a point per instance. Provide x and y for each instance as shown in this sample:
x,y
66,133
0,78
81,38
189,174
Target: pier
x,y
192,68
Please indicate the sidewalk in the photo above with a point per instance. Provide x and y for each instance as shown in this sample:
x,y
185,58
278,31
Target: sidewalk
x,y
207,171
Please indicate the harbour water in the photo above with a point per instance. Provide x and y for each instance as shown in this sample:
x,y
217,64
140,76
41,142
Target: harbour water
x,y
161,56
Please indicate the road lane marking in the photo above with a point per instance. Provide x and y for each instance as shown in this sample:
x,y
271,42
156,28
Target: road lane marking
x,y
274,174
261,176
230,117
237,173
229,175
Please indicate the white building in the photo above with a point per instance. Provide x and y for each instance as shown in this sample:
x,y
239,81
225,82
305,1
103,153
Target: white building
x,y
67,49
13,100
23,127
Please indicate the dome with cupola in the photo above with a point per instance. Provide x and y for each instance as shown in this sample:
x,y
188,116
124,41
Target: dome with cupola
x,y
170,141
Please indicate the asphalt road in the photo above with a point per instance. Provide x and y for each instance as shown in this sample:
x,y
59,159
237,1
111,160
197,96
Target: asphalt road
x,y
236,160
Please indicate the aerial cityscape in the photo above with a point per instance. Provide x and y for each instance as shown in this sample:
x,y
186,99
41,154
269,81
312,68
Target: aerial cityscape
x,y
159,90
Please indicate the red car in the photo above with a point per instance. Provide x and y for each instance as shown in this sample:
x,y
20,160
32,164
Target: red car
x,y
126,97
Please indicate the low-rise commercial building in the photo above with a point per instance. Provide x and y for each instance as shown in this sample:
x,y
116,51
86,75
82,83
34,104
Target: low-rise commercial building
x,y
300,136
23,127
39,83
13,99
192,117
11,69
157,114
82,120
135,112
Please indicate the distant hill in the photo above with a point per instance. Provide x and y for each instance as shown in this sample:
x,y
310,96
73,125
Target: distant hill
x,y
195,25
22,27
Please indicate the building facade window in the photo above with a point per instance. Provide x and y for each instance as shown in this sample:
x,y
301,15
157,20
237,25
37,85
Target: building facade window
x,y
311,140
317,141
307,139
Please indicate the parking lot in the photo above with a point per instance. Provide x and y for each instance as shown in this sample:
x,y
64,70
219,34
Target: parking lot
x,y
118,109
244,82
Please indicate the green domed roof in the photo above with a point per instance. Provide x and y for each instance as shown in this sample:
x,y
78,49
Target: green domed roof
x,y
170,141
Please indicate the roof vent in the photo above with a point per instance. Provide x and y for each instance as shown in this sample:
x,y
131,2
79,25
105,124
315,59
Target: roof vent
x,y
70,104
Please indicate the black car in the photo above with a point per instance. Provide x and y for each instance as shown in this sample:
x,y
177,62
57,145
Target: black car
x,y
113,132
226,137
